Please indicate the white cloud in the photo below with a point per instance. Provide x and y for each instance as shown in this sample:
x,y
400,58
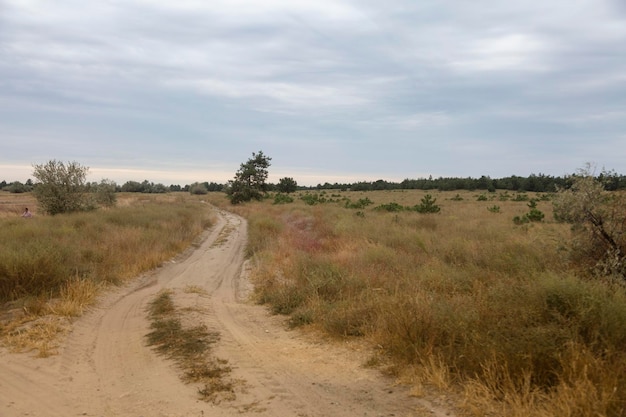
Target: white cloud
x,y
289,94
516,52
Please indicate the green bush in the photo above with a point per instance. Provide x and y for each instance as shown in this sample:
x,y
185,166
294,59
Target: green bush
x,y
598,220
282,199
198,189
361,203
427,205
391,207
61,188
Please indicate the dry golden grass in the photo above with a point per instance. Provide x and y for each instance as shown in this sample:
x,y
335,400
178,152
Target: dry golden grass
x,y
466,297
12,205
55,266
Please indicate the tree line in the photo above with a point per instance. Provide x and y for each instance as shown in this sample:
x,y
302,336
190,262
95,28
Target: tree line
x,y
533,183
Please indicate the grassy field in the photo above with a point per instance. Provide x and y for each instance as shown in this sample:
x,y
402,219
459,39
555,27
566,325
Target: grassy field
x,y
53,267
464,299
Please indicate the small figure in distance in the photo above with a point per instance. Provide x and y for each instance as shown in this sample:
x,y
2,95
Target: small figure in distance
x,y
27,213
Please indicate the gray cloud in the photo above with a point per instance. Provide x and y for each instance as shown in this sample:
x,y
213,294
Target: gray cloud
x,y
387,90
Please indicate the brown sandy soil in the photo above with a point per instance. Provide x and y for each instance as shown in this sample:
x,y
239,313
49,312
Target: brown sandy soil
x,y
105,368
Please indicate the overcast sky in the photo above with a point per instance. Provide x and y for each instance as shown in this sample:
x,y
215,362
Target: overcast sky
x,y
178,91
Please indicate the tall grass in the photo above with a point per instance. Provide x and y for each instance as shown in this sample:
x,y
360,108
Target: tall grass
x,y
64,261
39,256
466,293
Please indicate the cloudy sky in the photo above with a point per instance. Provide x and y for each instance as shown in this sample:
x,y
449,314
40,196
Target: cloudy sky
x,y
185,90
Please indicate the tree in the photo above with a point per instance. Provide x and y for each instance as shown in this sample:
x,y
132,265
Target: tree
x,y
427,205
105,193
61,187
287,185
17,187
132,187
598,220
198,188
249,182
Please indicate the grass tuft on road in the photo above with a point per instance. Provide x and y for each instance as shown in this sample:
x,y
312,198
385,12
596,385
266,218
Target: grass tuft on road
x,y
189,348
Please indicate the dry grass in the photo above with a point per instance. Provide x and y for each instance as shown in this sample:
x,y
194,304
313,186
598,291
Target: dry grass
x,y
12,205
475,302
190,348
35,333
57,265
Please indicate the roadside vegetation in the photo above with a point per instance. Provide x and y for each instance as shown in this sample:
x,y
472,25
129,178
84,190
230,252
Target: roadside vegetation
x,y
53,267
508,314
515,301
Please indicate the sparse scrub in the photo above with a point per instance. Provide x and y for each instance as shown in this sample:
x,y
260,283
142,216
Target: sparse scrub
x,y
499,311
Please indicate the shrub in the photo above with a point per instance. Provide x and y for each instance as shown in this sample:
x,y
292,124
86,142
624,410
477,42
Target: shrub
x,y
534,214
287,185
391,207
198,189
105,193
521,197
282,199
61,187
361,203
598,219
313,199
519,220
427,205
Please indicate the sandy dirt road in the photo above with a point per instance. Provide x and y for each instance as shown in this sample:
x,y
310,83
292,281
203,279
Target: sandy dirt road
x,y
104,367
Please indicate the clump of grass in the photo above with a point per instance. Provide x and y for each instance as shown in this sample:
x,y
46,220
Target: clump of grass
x,y
40,335
189,347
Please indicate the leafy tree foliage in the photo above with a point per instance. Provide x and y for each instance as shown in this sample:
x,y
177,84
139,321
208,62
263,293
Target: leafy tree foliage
x,y
598,219
250,180
61,187
287,185
198,188
144,187
17,187
105,193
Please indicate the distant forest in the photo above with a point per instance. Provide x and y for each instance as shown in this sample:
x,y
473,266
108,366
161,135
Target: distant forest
x,y
532,183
